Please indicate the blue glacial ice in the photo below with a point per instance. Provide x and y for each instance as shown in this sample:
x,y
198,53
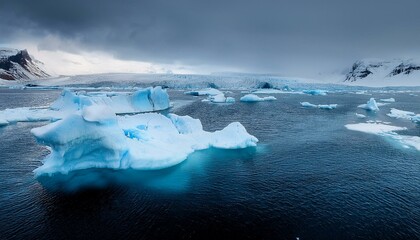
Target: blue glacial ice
x,y
143,100
255,98
371,105
95,137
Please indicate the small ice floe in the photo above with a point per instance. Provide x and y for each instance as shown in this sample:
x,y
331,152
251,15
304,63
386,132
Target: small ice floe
x,y
321,106
400,114
360,115
315,92
255,98
389,100
388,132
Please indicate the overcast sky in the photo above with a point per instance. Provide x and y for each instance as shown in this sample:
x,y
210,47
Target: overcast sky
x,y
296,37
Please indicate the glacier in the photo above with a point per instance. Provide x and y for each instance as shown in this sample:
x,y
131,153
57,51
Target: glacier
x,y
255,98
95,137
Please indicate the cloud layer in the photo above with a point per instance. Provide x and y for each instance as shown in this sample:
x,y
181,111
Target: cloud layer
x,y
255,36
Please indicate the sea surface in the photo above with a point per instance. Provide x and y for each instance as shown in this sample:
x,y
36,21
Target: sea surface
x,y
308,178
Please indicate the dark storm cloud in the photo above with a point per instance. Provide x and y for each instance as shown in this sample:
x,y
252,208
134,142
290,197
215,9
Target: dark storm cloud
x,y
271,36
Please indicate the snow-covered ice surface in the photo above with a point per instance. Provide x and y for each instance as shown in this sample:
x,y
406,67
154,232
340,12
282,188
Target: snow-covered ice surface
x,y
255,98
321,106
388,132
96,138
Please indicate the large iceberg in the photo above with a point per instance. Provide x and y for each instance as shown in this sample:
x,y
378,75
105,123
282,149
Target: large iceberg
x,y
390,100
144,100
255,98
95,137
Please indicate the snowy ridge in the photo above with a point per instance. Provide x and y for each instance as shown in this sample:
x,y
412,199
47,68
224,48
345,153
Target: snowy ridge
x,y
378,72
18,65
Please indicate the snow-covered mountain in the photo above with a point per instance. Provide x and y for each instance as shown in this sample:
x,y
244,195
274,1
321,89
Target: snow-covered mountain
x,y
384,73
19,65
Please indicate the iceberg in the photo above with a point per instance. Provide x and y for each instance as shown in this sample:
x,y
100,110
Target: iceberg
x,y
320,106
388,132
371,105
144,100
315,92
255,98
95,137
360,115
390,100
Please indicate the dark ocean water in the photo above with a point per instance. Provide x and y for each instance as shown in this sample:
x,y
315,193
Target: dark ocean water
x,y
309,177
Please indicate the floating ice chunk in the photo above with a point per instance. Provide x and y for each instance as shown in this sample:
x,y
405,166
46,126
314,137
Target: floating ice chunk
x,y
374,128
360,115
388,132
390,100
321,106
255,98
230,100
371,105
400,114
316,92
395,113
3,122
207,91
96,138
238,137
219,98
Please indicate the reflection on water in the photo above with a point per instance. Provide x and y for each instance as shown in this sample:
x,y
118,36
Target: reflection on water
x,y
175,178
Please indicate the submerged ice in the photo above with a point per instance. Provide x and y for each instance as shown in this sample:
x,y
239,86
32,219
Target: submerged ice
x,y
97,138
